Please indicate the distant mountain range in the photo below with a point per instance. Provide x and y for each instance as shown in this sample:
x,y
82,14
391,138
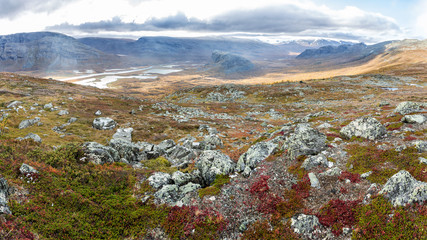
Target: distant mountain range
x,y
48,51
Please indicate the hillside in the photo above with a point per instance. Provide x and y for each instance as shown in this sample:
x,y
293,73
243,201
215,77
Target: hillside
x,y
321,159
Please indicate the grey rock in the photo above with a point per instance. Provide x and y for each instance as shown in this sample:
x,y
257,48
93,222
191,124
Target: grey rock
x,y
407,107
366,174
4,197
100,154
33,136
304,224
417,119
245,224
422,160
124,134
28,123
14,104
255,154
331,172
128,150
211,163
25,169
315,161
104,123
421,146
72,120
168,194
189,187
383,103
180,156
211,142
305,141
166,144
63,112
402,189
313,180
48,106
160,179
366,127
98,113
180,178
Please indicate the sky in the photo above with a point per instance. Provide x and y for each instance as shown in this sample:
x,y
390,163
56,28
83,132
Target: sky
x,y
369,21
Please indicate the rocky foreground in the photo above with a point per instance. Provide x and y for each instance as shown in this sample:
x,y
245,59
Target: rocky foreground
x,y
334,158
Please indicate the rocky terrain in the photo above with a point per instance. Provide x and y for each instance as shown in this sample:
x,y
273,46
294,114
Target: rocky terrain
x,y
335,158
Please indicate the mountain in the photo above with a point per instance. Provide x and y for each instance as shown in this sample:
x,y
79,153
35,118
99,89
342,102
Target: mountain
x,y
46,51
231,65
299,46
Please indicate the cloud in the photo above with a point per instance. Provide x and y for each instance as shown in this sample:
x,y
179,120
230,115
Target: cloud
x,y
12,8
285,19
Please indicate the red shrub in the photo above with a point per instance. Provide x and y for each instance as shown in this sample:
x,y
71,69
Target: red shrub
x,y
14,230
353,177
260,186
338,214
302,188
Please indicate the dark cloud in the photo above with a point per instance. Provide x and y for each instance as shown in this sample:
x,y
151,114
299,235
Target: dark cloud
x,y
288,19
12,8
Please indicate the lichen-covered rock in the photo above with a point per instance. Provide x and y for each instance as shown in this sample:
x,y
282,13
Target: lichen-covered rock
x,y
72,120
4,197
416,119
189,187
63,112
104,123
313,180
304,224
14,104
48,106
212,142
255,154
180,178
128,150
305,141
100,154
315,161
407,107
331,172
168,194
180,156
421,146
98,113
25,169
124,134
211,163
32,136
165,145
159,179
402,189
366,127
28,123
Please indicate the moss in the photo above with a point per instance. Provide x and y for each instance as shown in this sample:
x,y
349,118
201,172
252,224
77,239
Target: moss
x,y
297,169
264,230
215,189
380,220
394,126
159,164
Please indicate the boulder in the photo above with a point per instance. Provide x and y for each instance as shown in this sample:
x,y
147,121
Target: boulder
x,y
28,123
189,187
104,123
63,112
14,104
407,107
48,106
129,151
402,189
417,119
421,146
180,178
72,120
33,136
98,113
159,179
255,154
315,161
305,140
4,197
331,172
366,127
180,156
25,169
100,154
211,163
165,145
313,180
212,142
168,194
124,134
304,224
